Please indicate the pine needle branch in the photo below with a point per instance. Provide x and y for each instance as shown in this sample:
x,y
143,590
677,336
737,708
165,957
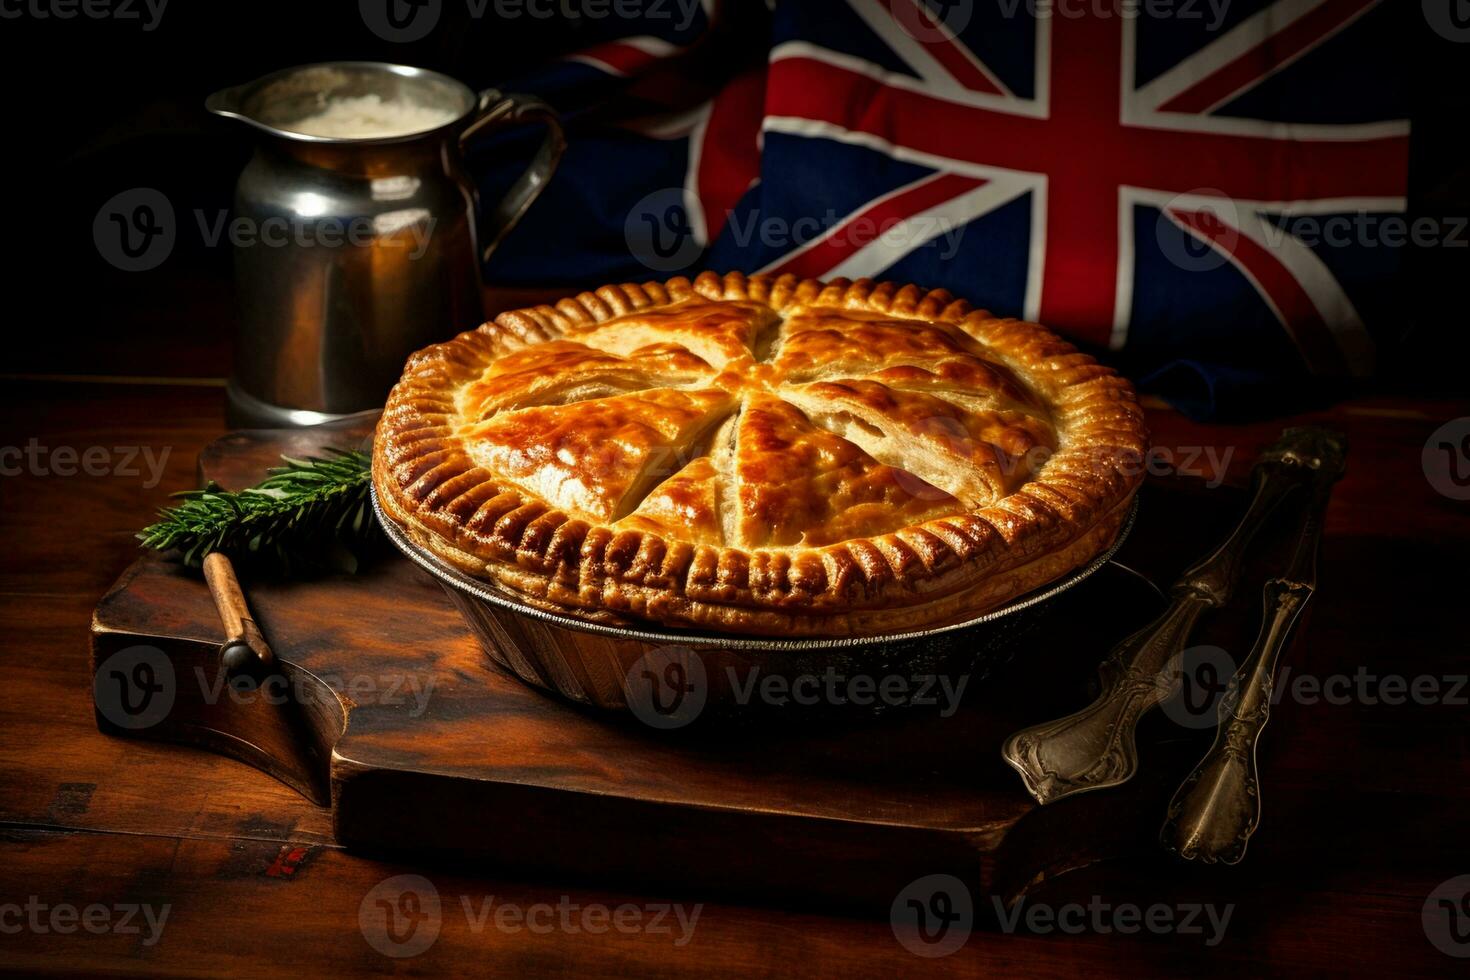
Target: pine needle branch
x,y
311,514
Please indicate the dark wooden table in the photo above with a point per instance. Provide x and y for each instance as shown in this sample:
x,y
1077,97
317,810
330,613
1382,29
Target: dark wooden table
x,y
1365,800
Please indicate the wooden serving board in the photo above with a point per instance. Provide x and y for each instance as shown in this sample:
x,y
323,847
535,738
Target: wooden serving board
x,y
391,714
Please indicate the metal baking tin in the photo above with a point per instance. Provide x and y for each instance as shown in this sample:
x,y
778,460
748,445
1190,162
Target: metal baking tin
x,y
621,668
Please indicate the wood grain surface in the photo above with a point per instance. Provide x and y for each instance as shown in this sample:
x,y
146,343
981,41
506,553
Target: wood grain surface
x,y
1364,797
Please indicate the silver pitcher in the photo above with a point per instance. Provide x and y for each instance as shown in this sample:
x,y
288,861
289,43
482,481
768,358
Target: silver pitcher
x,y
351,253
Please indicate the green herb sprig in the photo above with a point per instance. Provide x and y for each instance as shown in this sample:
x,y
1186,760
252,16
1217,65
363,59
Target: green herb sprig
x,y
309,515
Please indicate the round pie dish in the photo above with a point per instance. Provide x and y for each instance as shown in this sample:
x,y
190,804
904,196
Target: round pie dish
x,y
668,677
772,458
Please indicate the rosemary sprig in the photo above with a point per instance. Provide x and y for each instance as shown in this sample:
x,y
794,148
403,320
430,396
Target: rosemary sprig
x,y
309,515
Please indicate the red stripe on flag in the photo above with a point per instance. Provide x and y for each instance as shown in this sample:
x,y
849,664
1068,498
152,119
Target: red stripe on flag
x,y
1262,168
869,224
1277,285
618,57
730,157
1274,52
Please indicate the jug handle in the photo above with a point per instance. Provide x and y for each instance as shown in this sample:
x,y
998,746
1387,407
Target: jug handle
x,y
498,108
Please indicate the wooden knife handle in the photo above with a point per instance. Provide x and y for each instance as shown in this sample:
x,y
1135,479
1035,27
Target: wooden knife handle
x,y
244,650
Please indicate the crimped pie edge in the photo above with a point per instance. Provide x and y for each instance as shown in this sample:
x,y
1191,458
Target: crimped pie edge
x,y
925,574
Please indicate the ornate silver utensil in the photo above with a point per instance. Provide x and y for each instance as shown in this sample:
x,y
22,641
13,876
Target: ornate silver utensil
x,y
1218,807
1095,748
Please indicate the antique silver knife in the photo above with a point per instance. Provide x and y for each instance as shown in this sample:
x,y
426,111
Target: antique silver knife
x,y
1095,748
1218,807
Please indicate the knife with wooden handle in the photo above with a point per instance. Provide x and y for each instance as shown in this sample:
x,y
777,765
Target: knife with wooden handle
x,y
245,652
1094,748
1218,807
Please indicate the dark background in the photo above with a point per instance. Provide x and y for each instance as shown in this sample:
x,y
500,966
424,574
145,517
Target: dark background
x,y
97,106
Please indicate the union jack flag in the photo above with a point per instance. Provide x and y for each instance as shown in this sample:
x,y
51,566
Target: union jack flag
x,y
1139,175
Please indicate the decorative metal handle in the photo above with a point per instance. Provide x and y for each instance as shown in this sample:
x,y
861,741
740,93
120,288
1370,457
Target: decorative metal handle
x,y
1218,807
497,108
1095,747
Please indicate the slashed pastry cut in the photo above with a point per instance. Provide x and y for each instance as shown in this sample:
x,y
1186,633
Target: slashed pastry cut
x,y
760,455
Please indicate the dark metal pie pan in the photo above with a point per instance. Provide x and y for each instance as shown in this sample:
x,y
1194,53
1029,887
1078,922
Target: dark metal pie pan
x,y
647,670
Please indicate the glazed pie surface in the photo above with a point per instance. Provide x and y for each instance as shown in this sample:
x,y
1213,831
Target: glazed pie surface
x,y
757,455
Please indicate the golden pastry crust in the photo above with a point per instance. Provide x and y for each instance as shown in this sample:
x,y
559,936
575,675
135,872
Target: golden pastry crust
x,y
761,455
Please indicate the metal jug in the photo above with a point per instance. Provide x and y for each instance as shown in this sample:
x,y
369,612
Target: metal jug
x,y
351,253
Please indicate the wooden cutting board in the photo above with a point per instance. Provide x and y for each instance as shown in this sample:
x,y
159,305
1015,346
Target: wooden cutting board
x,y
390,714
